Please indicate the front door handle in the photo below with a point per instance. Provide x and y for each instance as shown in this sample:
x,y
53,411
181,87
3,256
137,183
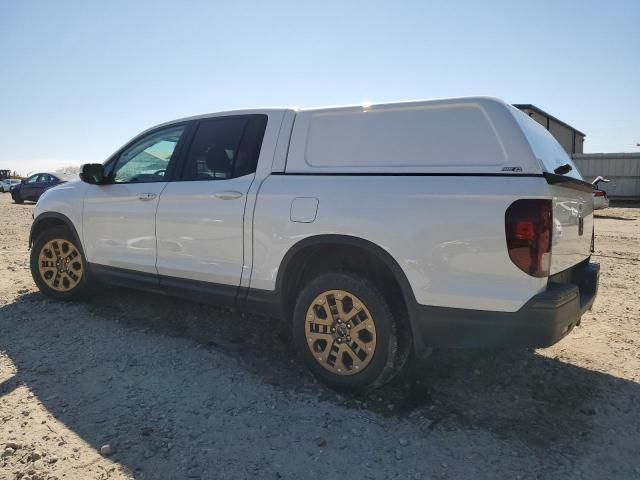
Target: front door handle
x,y
229,195
146,196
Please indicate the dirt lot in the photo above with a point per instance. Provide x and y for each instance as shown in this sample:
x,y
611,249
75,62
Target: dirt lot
x,y
173,390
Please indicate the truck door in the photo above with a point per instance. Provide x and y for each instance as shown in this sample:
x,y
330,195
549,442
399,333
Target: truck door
x,y
199,222
119,217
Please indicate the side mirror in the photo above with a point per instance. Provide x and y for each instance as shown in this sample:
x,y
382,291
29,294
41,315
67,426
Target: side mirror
x,y
92,173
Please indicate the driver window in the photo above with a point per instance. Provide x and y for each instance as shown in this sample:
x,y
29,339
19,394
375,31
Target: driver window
x,y
147,159
32,179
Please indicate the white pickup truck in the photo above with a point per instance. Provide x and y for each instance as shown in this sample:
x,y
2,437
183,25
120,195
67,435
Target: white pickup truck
x,y
373,231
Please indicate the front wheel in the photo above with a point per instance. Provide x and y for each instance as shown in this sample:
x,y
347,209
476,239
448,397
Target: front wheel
x,y
17,198
58,266
345,332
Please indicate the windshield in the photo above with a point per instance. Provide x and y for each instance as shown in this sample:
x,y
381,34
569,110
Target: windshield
x,y
547,150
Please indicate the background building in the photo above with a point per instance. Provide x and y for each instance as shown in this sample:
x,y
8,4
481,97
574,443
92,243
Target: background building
x,y
622,169
571,139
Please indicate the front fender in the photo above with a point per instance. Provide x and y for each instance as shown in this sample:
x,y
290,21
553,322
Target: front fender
x,y
63,203
53,218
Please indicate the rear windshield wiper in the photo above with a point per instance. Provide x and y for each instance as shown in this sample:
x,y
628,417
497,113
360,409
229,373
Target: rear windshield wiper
x,y
562,169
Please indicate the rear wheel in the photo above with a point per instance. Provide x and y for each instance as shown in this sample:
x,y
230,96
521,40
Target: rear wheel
x,y
345,332
58,266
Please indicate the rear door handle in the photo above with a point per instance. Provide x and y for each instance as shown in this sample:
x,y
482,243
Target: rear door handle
x,y
229,195
146,196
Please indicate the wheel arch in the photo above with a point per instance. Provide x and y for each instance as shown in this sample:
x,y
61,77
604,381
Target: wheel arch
x,y
53,219
292,270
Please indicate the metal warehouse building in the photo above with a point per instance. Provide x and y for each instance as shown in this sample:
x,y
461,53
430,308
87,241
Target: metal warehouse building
x,y
622,169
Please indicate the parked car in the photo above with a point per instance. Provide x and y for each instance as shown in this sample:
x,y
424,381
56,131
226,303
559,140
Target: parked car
x,y
31,188
372,232
7,184
600,198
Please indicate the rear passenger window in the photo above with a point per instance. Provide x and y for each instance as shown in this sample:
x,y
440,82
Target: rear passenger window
x,y
250,145
225,148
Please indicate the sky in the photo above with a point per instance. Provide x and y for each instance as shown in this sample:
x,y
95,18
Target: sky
x,y
78,79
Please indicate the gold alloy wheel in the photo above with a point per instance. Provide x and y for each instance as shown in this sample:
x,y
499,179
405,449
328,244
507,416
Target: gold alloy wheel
x,y
60,265
340,332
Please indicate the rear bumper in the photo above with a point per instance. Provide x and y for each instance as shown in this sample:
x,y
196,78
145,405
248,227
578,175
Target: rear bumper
x,y
541,322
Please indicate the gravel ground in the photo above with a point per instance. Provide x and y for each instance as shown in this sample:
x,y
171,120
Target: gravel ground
x,y
134,385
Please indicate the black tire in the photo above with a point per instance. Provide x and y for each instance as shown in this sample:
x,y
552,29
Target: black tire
x,y
386,360
17,198
78,289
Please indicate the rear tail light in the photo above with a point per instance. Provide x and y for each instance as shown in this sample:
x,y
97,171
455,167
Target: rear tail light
x,y
528,229
598,193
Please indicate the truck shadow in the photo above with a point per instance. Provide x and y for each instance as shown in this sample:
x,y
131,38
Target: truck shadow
x,y
516,395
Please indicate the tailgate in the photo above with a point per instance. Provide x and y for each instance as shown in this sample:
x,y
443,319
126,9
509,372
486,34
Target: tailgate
x,y
572,196
572,225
